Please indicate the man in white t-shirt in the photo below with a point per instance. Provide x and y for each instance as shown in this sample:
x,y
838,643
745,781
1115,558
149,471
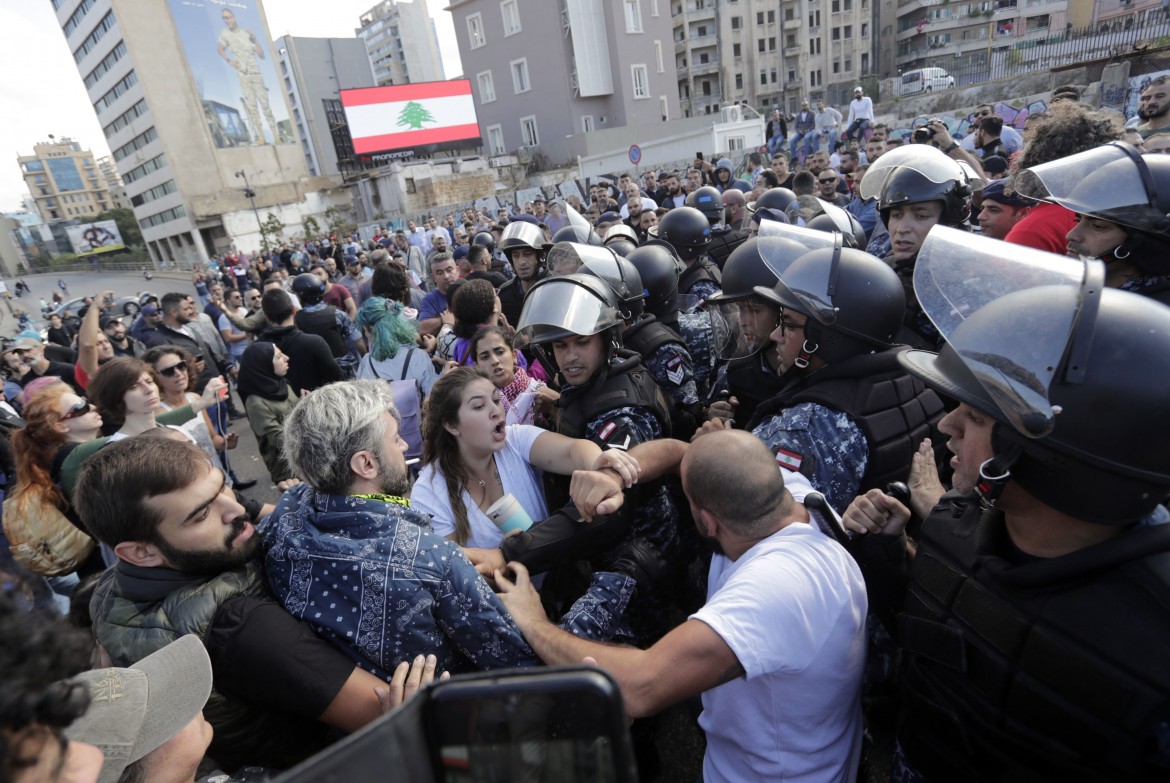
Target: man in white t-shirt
x,y
778,650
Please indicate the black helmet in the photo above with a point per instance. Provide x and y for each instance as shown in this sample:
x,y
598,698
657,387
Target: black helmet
x,y
486,239
836,219
685,229
1116,184
309,288
755,263
773,198
658,268
709,201
560,307
622,246
619,274
915,174
523,234
564,234
1079,404
619,231
854,302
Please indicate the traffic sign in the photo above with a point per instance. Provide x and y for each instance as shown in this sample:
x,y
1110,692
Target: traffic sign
x,y
635,154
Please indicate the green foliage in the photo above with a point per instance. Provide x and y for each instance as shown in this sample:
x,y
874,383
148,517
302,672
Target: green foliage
x,y
339,223
272,230
311,226
127,224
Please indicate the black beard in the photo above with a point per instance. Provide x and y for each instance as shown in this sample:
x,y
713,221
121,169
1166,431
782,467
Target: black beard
x,y
209,562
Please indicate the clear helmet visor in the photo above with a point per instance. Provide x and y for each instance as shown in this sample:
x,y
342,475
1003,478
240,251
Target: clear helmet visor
x,y
1013,352
581,227
1109,181
741,328
928,161
839,216
559,307
522,233
809,237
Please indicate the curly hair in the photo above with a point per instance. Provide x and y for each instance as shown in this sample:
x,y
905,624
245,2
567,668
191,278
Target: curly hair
x,y
37,443
441,447
389,329
38,653
152,356
472,306
1066,129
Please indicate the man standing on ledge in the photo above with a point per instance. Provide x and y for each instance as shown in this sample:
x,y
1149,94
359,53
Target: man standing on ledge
x,y
778,650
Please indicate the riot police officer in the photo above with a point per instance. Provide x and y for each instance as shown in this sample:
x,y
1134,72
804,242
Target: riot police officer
x,y
724,238
1122,200
324,320
687,230
524,246
848,415
917,187
1033,616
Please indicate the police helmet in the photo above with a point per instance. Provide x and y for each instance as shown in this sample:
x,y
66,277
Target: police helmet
x,y
686,229
916,174
772,198
309,288
620,275
854,302
758,261
622,246
1079,405
486,239
520,234
619,231
1116,184
836,219
709,201
658,267
557,308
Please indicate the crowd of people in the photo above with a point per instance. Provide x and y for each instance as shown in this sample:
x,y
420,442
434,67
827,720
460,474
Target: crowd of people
x,y
861,448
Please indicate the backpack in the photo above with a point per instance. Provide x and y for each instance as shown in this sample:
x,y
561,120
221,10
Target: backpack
x,y
41,538
408,400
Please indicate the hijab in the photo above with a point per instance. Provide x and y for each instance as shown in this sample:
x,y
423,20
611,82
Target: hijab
x,y
257,375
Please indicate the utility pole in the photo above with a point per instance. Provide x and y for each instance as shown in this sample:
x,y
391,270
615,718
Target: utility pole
x,y
251,194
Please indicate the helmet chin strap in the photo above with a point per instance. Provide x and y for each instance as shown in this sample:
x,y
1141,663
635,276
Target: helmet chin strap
x,y
995,473
806,352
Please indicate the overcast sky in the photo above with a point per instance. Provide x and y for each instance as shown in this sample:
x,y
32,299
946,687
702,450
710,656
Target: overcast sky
x,y
41,91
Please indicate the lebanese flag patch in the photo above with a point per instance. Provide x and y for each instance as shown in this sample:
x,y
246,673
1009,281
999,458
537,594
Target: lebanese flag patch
x,y
607,430
789,459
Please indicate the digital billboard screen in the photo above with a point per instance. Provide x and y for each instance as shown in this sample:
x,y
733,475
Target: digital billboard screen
x,y
419,117
91,238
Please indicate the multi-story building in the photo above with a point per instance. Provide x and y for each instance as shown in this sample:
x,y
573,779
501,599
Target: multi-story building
x,y
64,181
695,30
962,37
776,54
403,46
312,71
543,71
118,197
189,100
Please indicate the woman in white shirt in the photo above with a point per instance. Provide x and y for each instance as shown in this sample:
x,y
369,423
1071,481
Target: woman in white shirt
x,y
473,457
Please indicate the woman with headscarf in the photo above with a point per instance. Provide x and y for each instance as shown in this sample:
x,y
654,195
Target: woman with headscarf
x,y
268,400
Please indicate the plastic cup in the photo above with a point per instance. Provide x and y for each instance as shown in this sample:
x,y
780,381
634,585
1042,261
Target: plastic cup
x,y
509,515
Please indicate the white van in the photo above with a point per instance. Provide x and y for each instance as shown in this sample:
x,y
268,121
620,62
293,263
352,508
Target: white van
x,y
925,80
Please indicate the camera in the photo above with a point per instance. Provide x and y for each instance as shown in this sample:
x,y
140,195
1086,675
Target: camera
x,y
923,135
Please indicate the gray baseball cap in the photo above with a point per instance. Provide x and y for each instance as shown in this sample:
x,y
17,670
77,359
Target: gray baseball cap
x,y
134,710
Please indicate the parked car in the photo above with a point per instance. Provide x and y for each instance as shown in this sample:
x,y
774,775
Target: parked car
x,y
70,310
925,80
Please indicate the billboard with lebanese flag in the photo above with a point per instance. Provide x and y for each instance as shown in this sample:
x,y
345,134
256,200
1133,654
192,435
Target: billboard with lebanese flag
x,y
411,116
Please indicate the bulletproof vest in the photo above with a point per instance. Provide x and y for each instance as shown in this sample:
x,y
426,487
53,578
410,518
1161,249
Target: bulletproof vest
x,y
751,384
723,241
323,323
627,384
702,269
893,409
129,630
1053,669
648,335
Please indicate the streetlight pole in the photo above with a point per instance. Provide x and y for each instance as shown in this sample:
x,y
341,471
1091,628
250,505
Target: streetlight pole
x,y
251,194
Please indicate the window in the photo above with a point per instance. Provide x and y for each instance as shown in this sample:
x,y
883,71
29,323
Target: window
x,y
848,31
587,123
836,66
760,17
125,118
865,30
663,108
771,43
520,81
736,50
771,17
654,7
772,75
641,81
739,81
138,172
107,62
162,217
760,45
736,22
633,16
136,143
847,5
836,33
658,56
791,75
763,78
75,19
511,16
495,140
487,86
814,19
92,39
528,133
475,35
848,64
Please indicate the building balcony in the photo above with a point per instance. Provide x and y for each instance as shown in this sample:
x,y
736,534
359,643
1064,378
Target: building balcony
x,y
701,102
696,14
703,69
703,41
793,24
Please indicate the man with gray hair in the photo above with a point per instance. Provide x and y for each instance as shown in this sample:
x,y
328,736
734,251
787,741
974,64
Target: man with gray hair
x,y
347,553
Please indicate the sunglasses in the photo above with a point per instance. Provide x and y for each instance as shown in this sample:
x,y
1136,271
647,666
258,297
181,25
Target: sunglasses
x,y
827,179
169,372
79,408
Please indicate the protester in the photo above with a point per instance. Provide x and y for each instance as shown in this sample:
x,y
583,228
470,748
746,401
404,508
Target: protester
x,y
394,353
269,400
524,398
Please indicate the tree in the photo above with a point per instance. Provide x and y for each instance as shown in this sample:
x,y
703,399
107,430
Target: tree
x,y
413,116
272,230
311,226
127,225
339,223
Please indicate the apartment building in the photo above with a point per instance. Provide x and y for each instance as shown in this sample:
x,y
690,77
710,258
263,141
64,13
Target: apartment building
x,y
401,42
65,181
